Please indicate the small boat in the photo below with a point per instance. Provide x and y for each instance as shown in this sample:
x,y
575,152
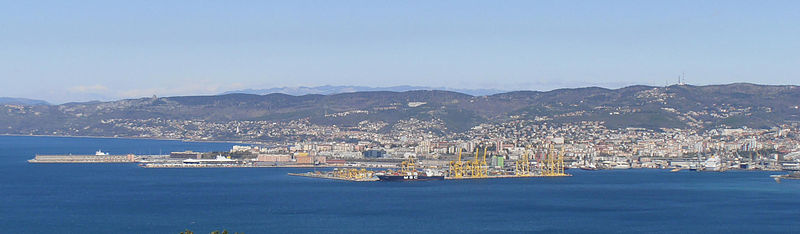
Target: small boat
x,y
589,168
793,176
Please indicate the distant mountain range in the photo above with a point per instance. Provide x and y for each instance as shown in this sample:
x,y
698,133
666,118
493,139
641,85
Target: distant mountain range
x,y
333,89
21,101
677,106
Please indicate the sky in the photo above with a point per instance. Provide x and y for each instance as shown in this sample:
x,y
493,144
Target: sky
x,y
63,51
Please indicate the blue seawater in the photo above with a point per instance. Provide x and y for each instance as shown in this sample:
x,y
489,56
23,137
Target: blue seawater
x,y
124,198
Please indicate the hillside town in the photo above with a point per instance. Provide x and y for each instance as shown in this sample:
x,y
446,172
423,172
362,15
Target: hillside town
x,y
587,144
742,126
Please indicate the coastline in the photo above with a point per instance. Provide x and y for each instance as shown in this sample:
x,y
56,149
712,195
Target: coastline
x,y
131,138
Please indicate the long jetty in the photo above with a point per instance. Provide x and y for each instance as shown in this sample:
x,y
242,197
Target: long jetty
x,y
333,177
130,158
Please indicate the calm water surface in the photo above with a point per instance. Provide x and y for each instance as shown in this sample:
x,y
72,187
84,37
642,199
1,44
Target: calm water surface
x,y
123,198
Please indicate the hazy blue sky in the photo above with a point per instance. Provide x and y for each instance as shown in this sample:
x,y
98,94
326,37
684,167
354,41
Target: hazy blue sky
x,y
80,50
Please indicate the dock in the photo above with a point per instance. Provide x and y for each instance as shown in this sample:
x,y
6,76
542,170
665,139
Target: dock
x,y
334,176
458,170
503,177
366,177
83,159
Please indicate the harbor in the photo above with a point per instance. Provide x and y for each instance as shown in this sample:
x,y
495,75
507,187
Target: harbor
x,y
98,157
88,189
482,162
354,175
364,175
551,165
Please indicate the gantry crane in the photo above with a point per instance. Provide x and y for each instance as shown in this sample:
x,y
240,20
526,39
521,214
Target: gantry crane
x,y
457,167
473,165
353,173
408,165
522,166
477,166
554,162
560,162
484,168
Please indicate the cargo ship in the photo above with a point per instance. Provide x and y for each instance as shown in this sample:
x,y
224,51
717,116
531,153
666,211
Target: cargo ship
x,y
410,176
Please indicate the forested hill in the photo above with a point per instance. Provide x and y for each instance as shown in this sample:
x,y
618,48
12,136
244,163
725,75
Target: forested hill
x,y
677,106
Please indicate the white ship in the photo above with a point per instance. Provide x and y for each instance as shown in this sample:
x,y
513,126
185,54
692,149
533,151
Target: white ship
x,y
714,163
620,165
218,159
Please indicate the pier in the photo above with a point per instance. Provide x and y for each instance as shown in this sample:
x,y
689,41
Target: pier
x,y
130,158
345,174
504,177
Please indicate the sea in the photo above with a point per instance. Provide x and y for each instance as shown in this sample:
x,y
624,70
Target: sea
x,y
124,198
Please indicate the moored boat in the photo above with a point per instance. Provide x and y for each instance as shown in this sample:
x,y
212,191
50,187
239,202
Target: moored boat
x,y
589,168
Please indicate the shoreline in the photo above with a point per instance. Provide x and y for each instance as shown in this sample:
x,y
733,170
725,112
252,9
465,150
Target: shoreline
x,y
130,138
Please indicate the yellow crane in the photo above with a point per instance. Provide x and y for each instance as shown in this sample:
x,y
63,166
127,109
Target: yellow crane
x,y
560,162
554,163
526,163
408,165
475,164
457,167
353,173
483,166
550,167
522,166
535,154
475,168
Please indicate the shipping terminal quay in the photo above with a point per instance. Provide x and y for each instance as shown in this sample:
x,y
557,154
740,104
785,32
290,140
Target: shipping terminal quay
x,y
551,165
545,160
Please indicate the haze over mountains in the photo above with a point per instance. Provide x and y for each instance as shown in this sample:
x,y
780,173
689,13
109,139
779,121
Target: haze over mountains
x,y
677,106
296,91
336,89
21,101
